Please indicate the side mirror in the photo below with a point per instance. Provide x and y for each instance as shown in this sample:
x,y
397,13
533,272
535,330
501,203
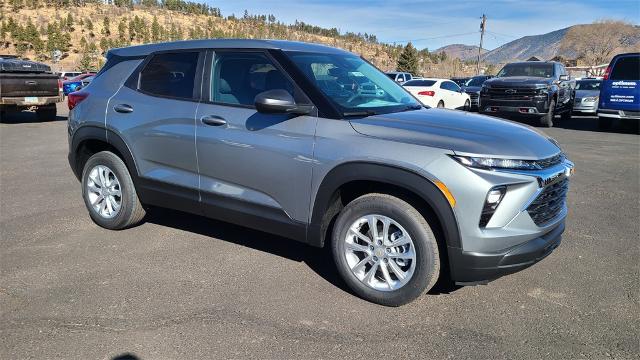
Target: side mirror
x,y
564,77
279,101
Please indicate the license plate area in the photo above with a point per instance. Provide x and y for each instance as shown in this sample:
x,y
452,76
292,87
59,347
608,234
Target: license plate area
x,y
31,100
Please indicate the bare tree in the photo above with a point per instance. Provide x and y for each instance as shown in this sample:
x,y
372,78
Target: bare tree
x,y
595,44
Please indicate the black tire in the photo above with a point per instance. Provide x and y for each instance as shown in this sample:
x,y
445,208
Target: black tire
x,y
547,120
440,104
467,105
604,123
46,113
131,211
566,115
427,269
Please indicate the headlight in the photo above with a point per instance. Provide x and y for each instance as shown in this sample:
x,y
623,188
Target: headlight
x,y
590,99
495,163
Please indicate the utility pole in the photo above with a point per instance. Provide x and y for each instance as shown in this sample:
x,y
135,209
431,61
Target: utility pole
x,y
482,26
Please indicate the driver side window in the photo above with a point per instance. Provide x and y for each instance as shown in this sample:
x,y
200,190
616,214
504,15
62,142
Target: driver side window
x,y
237,77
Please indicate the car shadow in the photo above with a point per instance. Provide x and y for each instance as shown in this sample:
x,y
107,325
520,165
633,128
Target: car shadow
x,y
581,123
318,259
25,117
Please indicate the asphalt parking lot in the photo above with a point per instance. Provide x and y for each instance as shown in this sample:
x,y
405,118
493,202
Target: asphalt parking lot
x,y
181,286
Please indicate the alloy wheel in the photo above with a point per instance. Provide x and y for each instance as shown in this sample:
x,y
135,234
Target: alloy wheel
x,y
380,252
104,192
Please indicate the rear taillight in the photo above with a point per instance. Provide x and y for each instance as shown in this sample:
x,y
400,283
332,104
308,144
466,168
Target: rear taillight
x,y
427,93
59,85
76,98
607,72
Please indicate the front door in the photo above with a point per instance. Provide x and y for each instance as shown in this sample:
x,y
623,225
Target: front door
x,y
252,165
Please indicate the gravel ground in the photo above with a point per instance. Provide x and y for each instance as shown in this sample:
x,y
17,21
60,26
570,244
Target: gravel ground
x,y
181,286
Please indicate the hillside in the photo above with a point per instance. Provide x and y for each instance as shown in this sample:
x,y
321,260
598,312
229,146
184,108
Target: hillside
x,y
544,46
460,51
33,28
547,46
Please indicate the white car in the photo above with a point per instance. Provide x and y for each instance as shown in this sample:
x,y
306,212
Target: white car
x,y
440,93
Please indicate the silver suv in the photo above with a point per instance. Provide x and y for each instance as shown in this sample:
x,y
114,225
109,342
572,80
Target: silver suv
x,y
315,144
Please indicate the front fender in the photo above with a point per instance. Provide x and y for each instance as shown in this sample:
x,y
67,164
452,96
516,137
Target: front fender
x,y
323,212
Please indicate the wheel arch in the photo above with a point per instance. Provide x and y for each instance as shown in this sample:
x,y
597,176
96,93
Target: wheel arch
x,y
349,180
88,140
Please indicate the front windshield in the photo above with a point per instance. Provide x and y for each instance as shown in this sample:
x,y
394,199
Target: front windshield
x,y
588,85
533,70
476,81
352,84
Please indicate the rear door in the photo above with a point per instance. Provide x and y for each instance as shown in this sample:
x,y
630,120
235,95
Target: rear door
x,y
155,114
254,163
621,90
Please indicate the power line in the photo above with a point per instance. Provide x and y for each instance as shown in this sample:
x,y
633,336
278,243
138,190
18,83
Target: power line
x,y
436,37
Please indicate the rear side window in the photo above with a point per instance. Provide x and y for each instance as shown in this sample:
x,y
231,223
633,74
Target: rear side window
x,y
626,68
171,75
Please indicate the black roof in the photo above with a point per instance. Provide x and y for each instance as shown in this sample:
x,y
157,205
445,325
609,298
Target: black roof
x,y
143,50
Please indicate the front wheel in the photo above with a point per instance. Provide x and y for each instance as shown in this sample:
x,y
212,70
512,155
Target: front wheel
x,y
547,120
385,250
109,193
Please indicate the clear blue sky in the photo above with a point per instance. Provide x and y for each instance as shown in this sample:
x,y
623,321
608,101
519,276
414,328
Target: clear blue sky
x,y
434,23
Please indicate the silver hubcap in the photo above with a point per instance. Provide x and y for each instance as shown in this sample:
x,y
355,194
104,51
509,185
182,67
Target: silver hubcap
x,y
380,252
104,192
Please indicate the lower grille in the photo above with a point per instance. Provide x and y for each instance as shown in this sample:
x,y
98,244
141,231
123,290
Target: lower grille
x,y
549,202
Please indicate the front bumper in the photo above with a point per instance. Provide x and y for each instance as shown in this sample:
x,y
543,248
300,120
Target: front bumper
x,y
536,106
481,267
619,114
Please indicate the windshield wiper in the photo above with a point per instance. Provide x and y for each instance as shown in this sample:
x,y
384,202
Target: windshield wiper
x,y
412,107
359,113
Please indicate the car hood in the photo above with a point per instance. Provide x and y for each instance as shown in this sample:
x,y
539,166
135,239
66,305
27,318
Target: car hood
x,y
461,132
585,93
518,81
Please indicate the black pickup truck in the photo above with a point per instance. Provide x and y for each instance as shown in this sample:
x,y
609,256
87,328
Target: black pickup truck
x,y
539,89
28,85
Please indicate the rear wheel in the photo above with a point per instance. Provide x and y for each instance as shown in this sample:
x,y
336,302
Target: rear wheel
x,y
440,104
46,113
547,119
566,115
385,250
109,193
467,105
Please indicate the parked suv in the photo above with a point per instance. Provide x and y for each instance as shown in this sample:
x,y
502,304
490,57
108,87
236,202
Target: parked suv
x,y
399,77
540,89
315,144
620,90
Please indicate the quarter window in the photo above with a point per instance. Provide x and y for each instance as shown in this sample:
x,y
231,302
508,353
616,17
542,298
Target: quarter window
x,y
171,74
239,76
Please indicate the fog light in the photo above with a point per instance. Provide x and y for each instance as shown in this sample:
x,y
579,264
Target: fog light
x,y
494,197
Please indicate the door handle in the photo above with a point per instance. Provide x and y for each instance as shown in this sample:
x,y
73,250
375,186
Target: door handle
x,y
213,120
123,108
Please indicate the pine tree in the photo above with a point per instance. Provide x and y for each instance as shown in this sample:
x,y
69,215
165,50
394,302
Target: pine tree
x,y
156,30
105,26
408,60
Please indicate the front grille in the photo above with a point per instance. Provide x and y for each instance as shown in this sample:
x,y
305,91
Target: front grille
x,y
549,202
512,93
473,95
550,161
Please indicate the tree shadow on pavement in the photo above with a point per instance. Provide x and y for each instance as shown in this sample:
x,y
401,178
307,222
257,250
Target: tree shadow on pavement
x,y
318,259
